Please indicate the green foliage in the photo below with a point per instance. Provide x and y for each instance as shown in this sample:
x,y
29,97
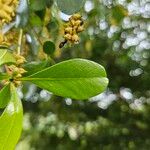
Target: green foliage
x,y
113,37
4,96
11,122
6,57
37,5
35,66
49,47
117,14
70,6
77,78
35,20
3,76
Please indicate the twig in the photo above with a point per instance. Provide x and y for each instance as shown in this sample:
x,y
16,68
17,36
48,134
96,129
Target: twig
x,y
20,41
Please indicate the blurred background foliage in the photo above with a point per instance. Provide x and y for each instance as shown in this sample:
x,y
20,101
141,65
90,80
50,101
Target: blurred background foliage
x,y
117,36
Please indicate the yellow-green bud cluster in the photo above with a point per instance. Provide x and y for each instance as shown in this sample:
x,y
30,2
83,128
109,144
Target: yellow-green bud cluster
x,y
73,27
15,73
9,38
19,59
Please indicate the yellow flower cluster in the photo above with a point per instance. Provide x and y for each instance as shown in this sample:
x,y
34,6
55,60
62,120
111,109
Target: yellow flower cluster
x,y
19,59
15,73
7,11
73,27
10,38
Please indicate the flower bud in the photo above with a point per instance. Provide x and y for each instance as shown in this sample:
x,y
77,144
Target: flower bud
x,y
75,38
17,83
78,23
67,36
7,11
72,22
18,75
80,29
20,59
76,16
21,70
68,30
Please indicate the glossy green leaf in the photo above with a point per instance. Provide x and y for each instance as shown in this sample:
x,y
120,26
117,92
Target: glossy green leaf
x,y
70,6
76,78
35,66
3,76
6,57
4,96
11,122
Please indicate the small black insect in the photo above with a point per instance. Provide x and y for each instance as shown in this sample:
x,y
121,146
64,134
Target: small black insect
x,y
82,22
62,44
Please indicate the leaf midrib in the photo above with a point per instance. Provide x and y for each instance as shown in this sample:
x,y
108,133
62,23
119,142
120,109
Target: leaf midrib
x,y
59,79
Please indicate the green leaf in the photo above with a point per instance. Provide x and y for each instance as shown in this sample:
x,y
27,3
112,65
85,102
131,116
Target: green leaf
x,y
11,122
4,96
35,66
37,4
49,47
70,6
3,76
35,20
76,78
6,57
